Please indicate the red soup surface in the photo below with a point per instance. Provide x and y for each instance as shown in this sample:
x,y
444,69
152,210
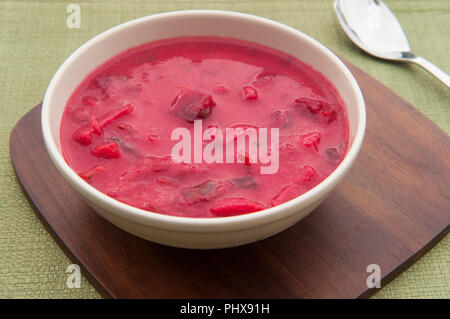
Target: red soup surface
x,y
117,128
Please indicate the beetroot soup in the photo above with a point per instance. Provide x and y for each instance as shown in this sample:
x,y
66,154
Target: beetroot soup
x,y
204,127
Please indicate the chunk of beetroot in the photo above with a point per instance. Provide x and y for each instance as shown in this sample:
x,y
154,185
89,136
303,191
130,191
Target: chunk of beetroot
x,y
192,105
107,150
312,140
249,93
124,145
96,129
110,116
307,174
235,206
286,194
83,135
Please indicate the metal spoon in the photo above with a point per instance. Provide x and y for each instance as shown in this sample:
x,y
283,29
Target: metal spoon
x,y
374,28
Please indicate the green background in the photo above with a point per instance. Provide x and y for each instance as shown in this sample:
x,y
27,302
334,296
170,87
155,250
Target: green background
x,y
34,41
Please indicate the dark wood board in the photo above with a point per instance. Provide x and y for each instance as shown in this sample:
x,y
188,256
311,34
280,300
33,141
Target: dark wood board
x,y
391,208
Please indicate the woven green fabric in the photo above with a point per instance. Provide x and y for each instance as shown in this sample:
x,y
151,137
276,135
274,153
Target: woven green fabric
x,y
34,40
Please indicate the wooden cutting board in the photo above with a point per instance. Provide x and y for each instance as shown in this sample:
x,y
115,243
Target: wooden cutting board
x,y
391,208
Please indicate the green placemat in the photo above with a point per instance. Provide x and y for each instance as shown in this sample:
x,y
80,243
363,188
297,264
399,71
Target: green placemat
x,y
34,40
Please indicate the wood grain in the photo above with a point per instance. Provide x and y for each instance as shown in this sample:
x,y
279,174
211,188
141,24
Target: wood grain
x,y
391,208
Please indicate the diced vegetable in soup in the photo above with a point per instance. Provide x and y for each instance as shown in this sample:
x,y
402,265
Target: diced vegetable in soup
x,y
204,127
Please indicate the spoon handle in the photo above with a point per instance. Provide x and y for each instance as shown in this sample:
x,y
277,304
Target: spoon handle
x,y
433,69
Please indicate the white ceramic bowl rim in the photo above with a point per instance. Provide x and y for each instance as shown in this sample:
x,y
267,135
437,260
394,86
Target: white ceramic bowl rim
x,y
203,224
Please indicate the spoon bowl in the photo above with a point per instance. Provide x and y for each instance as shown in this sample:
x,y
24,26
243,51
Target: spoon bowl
x,y
374,29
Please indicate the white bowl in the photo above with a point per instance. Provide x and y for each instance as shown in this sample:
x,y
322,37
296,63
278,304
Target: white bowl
x,y
200,232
